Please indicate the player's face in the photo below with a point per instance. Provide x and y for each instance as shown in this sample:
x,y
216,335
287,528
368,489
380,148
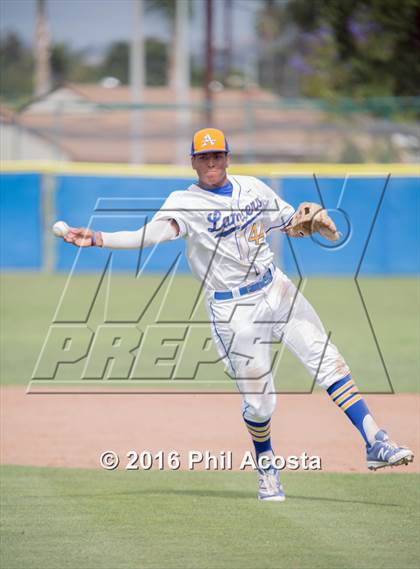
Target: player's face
x,y
211,168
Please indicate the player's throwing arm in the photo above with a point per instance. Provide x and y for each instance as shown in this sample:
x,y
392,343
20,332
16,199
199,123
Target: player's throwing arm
x,y
154,232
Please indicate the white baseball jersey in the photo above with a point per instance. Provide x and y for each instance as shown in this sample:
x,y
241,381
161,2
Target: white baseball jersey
x,y
226,235
227,249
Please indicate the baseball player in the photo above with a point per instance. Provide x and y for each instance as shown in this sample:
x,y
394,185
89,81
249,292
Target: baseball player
x,y
225,221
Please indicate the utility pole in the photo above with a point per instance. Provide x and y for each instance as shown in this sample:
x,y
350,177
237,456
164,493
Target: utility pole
x,y
137,82
42,51
209,62
182,78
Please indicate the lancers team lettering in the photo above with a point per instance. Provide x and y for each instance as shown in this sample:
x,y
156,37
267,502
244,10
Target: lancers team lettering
x,y
235,220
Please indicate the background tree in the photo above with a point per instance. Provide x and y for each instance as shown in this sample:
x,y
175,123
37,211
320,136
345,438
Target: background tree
x,y
167,9
156,62
116,62
62,61
16,68
359,47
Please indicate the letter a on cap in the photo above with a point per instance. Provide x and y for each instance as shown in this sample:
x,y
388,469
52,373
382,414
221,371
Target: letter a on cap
x,y
209,140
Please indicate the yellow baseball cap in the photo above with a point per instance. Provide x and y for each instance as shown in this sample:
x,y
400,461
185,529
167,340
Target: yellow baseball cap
x,y
209,140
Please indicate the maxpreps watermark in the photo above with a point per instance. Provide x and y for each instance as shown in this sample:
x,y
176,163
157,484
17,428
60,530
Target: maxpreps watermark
x,y
204,460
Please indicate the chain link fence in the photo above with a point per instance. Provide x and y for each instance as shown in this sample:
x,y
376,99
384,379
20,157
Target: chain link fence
x,y
261,128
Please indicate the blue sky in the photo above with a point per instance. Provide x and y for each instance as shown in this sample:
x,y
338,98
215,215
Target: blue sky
x,y
95,23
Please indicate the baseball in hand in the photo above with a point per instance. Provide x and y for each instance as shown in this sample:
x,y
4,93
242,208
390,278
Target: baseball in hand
x,y
60,228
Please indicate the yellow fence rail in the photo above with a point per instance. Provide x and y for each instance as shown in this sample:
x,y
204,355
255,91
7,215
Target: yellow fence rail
x,y
172,171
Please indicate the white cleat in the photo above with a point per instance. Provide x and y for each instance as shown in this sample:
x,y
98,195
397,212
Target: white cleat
x,y
270,489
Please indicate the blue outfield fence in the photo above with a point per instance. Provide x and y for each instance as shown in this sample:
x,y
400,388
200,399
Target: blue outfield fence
x,y
115,204
383,218
381,214
21,226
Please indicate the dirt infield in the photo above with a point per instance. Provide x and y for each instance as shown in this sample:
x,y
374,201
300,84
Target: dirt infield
x,y
73,430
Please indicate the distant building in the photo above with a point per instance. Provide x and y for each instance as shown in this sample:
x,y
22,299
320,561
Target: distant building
x,y
19,142
93,123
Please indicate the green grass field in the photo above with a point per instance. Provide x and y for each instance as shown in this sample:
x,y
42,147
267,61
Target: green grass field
x,y
54,518
29,302
91,519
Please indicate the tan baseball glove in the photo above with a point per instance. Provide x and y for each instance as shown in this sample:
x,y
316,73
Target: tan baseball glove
x,y
312,218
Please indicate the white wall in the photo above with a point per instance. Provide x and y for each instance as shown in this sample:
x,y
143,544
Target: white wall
x,y
18,143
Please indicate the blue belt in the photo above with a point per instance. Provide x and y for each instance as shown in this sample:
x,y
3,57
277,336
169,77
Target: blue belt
x,y
253,287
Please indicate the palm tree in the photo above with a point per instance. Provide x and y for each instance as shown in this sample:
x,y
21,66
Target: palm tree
x,y
42,51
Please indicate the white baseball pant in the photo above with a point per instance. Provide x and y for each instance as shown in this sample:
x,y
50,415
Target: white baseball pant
x,y
243,329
